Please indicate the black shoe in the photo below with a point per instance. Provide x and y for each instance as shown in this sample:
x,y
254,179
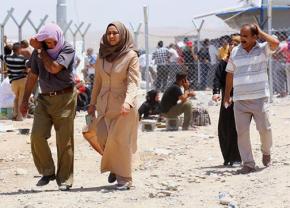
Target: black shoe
x,y
112,178
266,160
226,163
45,180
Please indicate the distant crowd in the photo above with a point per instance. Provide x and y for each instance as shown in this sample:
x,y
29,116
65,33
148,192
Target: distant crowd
x,y
235,67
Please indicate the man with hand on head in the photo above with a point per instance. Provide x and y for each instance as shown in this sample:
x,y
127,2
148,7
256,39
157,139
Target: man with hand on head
x,y
247,74
51,64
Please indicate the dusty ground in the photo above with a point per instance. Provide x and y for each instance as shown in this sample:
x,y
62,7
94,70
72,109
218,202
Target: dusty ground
x,y
173,169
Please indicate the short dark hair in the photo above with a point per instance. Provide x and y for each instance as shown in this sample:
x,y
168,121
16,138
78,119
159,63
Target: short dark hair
x,y
180,76
24,43
223,38
206,42
8,49
160,43
253,28
16,46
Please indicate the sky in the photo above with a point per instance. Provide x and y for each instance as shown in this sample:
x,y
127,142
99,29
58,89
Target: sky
x,y
162,13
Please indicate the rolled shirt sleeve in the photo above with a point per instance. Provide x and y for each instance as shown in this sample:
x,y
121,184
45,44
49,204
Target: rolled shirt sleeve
x,y
231,67
65,57
268,51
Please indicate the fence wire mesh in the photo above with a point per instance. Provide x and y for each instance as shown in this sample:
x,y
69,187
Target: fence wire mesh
x,y
281,64
199,60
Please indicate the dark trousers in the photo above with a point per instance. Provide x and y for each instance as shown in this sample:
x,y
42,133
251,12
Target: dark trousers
x,y
227,133
211,75
162,76
192,75
174,68
181,108
204,69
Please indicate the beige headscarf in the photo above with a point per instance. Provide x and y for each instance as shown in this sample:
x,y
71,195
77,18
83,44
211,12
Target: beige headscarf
x,y
110,53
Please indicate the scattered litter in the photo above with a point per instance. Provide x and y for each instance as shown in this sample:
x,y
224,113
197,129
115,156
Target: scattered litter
x,y
20,171
6,127
160,151
226,199
170,186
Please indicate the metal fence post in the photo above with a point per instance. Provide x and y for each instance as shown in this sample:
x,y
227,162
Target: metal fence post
x,y
198,29
136,34
67,27
83,34
21,24
2,52
76,32
9,13
42,21
145,9
270,60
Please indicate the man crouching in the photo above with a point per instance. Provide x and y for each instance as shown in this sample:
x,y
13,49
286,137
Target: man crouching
x,y
171,108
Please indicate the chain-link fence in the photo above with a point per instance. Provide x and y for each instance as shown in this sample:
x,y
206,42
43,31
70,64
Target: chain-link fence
x,y
200,59
24,31
281,64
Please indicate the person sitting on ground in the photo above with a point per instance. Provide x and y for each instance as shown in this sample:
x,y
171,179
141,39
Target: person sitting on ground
x,y
170,107
151,106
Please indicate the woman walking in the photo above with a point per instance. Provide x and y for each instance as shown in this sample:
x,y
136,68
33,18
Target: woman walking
x,y
114,98
226,127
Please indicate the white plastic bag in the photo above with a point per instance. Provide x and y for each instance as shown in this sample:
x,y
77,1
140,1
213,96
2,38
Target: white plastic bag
x,y
6,94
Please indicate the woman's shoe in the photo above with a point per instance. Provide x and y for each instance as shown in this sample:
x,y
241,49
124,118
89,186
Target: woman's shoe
x,y
124,187
112,178
235,163
64,187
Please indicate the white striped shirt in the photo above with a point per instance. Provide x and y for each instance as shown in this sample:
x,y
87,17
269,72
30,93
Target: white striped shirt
x,y
16,66
250,71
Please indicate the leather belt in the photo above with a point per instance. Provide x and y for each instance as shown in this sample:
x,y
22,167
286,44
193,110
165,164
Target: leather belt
x,y
59,92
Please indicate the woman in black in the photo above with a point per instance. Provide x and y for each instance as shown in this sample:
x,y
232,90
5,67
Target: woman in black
x,y
151,106
226,127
